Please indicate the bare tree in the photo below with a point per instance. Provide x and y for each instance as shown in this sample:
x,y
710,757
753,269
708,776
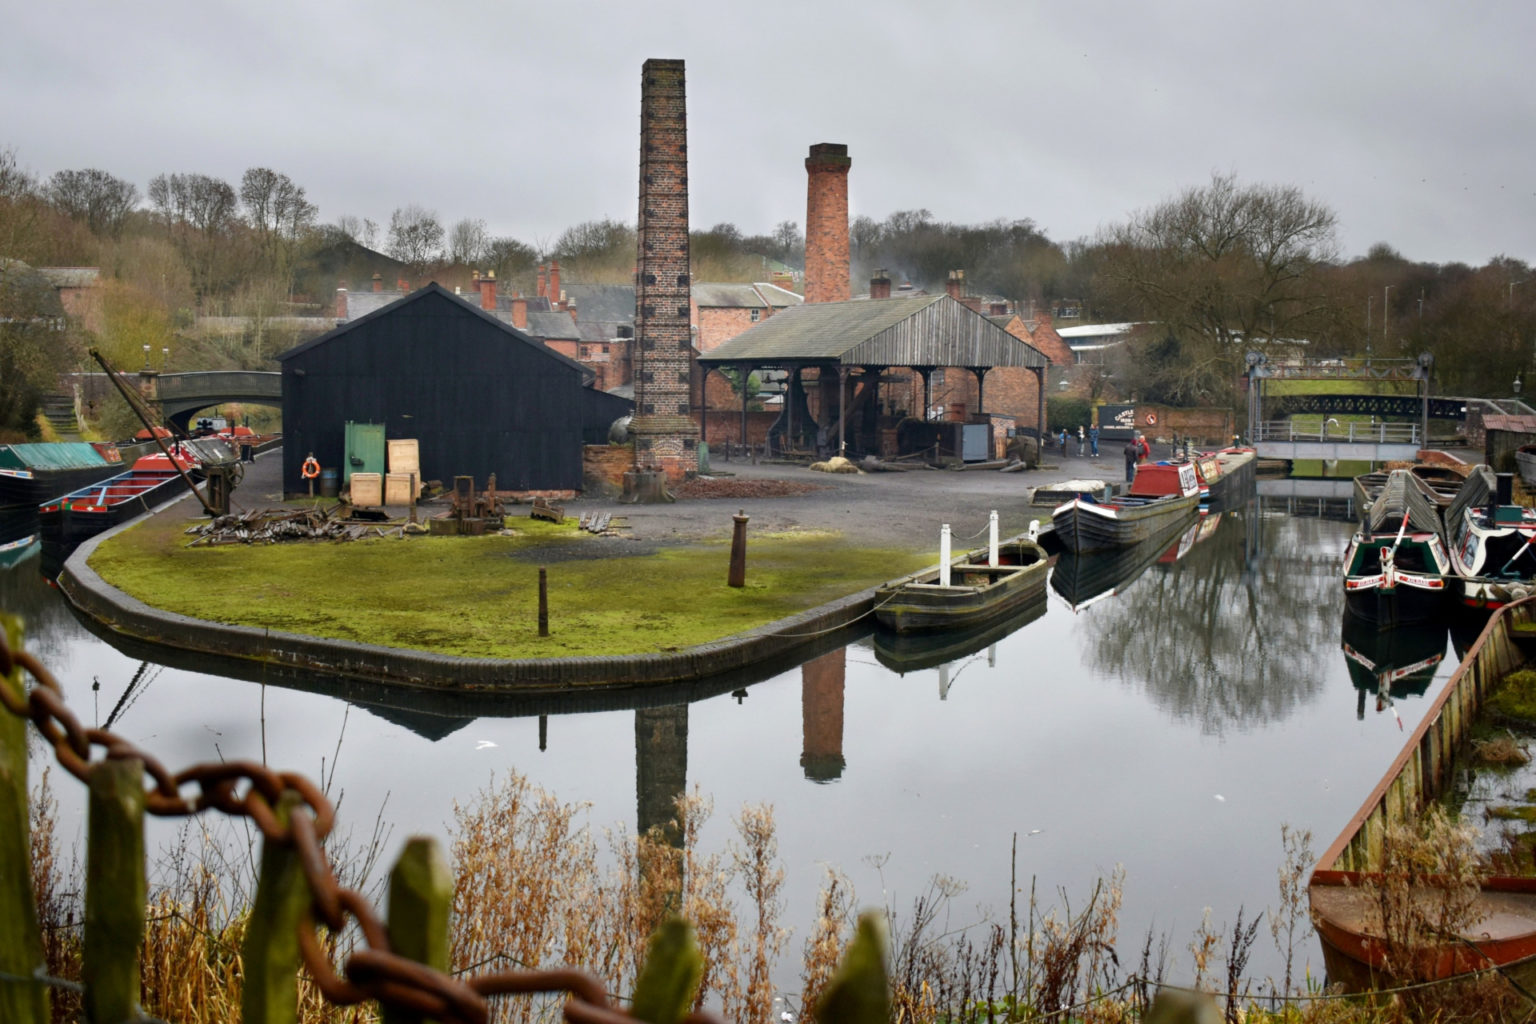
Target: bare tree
x,y
510,259
95,198
281,216
359,229
199,213
415,237
467,242
1220,268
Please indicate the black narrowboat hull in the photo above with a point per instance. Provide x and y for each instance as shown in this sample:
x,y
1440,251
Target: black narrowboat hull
x,y
1084,527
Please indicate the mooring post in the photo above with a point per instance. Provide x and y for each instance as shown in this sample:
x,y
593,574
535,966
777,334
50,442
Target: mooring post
x,y
543,602
944,556
992,539
738,574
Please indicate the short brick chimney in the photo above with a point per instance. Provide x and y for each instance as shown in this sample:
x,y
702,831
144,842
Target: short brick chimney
x,y
955,286
487,283
378,281
782,279
341,301
555,297
880,285
826,223
520,313
541,292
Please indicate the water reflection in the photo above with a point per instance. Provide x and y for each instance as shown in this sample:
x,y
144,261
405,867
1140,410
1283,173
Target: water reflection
x,y
1226,636
1389,663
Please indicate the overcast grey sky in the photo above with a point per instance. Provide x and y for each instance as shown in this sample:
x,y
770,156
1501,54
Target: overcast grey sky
x,y
1414,120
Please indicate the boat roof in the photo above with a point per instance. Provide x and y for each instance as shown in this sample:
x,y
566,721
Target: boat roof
x,y
50,455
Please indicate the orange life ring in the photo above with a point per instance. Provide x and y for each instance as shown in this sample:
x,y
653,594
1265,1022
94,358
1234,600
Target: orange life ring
x,y
311,468
1151,419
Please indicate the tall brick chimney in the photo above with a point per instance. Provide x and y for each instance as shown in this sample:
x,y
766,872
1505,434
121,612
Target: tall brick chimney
x,y
666,436
880,285
487,283
554,284
826,223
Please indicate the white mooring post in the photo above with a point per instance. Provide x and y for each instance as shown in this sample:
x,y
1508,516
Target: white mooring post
x,y
944,556
992,540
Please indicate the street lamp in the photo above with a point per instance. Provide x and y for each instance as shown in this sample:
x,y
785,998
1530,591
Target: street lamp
x,y
146,357
165,356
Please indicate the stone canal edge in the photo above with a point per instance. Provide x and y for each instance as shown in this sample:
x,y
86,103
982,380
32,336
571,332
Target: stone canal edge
x,y
125,615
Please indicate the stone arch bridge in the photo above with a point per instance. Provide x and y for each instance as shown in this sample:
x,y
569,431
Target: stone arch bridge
x,y
180,395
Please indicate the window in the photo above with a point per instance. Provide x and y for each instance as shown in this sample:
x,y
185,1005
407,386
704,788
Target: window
x,y
757,315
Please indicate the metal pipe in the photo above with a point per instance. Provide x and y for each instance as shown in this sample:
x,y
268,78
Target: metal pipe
x,y
944,556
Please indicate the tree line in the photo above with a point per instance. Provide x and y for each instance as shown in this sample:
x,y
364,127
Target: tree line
x,y
1210,274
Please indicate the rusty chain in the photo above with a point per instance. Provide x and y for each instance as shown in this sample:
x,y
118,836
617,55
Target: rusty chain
x,y
251,790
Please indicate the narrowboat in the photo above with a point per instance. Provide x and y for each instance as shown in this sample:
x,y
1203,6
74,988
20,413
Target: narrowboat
x,y
1086,579
1163,495
1492,541
978,593
1390,663
1396,566
32,473
86,511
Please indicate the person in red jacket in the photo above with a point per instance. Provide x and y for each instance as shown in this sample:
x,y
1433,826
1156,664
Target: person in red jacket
x,y
1145,448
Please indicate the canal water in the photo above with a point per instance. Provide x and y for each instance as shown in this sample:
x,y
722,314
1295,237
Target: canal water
x,y
1168,724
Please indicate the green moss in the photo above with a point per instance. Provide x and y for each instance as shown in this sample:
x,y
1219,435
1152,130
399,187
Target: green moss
x,y
1507,812
1515,697
478,596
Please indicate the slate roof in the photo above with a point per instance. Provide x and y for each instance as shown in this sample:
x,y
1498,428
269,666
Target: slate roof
x,y
552,325
778,297
730,296
932,330
611,303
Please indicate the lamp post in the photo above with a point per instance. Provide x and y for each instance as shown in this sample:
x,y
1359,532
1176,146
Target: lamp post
x,y
146,358
165,356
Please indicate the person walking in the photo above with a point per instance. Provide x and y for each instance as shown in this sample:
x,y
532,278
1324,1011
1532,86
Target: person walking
x,y
1143,447
1093,442
1132,453
1063,439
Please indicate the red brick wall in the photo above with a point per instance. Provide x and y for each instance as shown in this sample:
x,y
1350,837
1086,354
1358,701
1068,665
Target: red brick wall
x,y
603,467
826,224
723,425
1050,344
718,325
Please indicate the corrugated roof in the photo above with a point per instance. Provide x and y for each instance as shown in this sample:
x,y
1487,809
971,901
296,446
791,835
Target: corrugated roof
x,y
51,455
1096,330
932,330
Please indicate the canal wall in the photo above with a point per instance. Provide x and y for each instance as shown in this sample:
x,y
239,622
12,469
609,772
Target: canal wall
x,y
1422,771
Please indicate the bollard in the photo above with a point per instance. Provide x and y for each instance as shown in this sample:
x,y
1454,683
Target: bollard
x,y
738,573
992,539
944,556
543,602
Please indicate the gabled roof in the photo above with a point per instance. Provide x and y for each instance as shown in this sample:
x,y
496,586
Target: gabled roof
x,y
932,330
434,289
778,297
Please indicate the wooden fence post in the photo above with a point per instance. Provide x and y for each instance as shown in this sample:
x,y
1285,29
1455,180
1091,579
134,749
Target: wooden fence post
x,y
21,943
115,891
270,952
420,898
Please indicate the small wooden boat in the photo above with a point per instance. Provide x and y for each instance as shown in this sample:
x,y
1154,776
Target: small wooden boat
x,y
87,511
1500,927
33,473
1395,567
1492,542
1163,495
977,595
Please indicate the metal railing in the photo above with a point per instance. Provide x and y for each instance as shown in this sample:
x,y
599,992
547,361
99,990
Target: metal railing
x,y
1333,430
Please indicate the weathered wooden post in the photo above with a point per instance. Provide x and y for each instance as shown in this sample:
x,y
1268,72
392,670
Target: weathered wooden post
x,y
115,891
543,602
21,942
738,571
420,897
270,953
992,539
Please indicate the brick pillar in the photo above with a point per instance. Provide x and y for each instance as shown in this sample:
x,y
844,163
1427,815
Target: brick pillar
x,y
666,436
826,224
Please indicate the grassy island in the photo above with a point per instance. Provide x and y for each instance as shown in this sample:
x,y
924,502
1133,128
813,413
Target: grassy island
x,y
478,596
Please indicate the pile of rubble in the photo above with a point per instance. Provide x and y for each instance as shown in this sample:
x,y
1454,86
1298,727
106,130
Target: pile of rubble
x,y
269,526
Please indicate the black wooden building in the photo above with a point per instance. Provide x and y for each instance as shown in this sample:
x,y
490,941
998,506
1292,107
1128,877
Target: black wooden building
x,y
479,396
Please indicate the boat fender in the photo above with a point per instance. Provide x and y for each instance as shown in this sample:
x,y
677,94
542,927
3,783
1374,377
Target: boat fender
x,y
1518,593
